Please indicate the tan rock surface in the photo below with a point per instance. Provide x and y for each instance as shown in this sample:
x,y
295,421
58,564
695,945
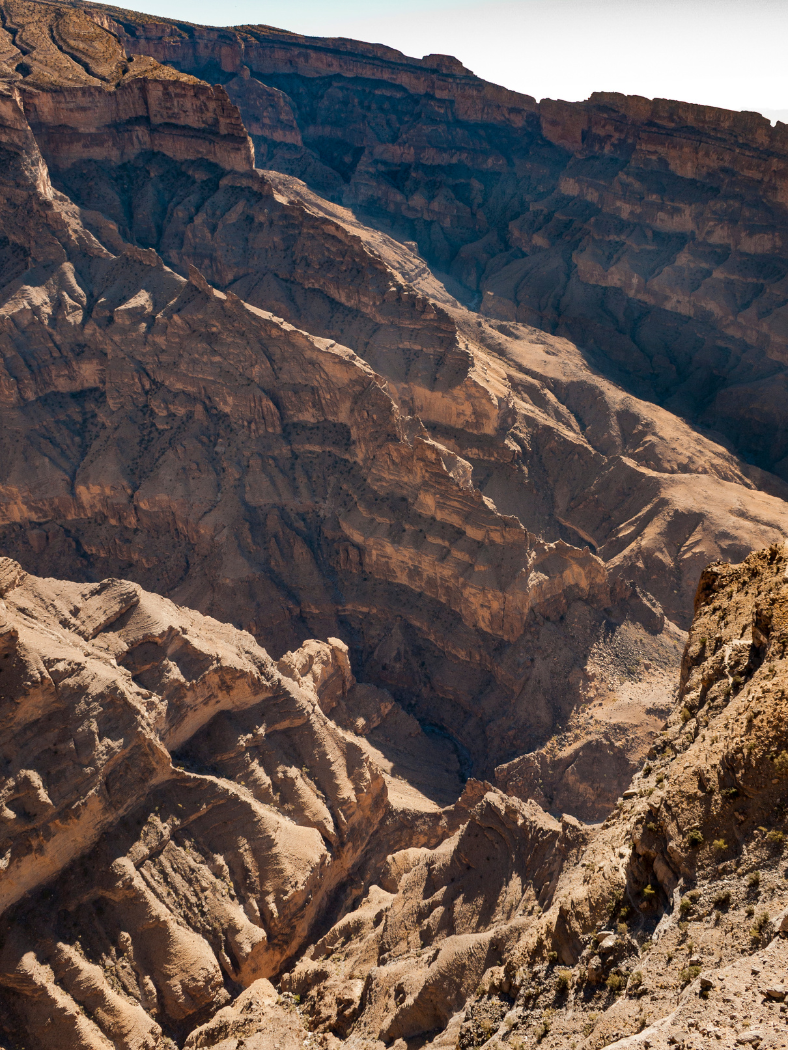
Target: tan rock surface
x,y
195,809
233,463
651,232
218,385
664,926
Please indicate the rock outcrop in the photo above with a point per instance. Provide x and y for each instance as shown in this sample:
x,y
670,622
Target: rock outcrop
x,y
410,541
184,824
664,925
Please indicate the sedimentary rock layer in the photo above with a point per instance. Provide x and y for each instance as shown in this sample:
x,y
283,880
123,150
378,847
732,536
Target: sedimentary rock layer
x,y
231,390
651,232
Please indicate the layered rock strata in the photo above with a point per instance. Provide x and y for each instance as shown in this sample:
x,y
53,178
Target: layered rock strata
x,y
665,925
232,391
650,232
194,851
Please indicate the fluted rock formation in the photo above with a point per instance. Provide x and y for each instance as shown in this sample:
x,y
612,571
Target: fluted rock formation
x,y
221,386
642,932
102,686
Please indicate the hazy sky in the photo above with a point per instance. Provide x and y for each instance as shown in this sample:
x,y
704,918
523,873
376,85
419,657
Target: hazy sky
x,y
729,53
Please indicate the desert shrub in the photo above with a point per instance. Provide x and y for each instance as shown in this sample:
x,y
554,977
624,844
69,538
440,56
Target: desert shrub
x,y
776,838
689,973
759,926
781,764
544,1025
685,715
719,845
754,879
552,957
686,906
695,838
562,981
635,981
622,928
722,899
615,982
652,827
749,911
649,892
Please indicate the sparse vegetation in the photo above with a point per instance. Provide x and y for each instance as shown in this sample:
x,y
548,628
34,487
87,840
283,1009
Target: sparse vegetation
x,y
776,838
591,1024
754,880
615,982
695,838
756,931
544,1025
719,845
722,899
562,981
685,715
689,973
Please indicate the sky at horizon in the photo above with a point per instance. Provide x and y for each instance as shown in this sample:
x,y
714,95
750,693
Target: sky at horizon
x,y
727,53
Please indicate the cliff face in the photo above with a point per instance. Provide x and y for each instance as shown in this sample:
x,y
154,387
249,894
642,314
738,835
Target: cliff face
x,y
85,97
651,233
642,932
185,821
223,387
231,390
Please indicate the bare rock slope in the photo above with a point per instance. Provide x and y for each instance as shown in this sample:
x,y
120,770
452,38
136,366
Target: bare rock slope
x,y
196,854
652,232
231,390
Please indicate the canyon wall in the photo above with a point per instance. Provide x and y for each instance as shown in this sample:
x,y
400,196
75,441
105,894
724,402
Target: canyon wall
x,y
435,553
231,390
652,233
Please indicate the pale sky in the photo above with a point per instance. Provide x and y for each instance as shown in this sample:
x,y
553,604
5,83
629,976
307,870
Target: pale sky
x,y
729,53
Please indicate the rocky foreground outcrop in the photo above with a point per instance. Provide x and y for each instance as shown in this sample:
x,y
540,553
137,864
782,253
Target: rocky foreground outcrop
x,y
234,392
664,926
196,853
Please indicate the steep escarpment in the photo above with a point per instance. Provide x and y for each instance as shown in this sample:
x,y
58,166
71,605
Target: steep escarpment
x,y
176,810
234,392
650,232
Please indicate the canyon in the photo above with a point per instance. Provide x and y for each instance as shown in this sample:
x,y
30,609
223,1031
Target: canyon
x,y
366,431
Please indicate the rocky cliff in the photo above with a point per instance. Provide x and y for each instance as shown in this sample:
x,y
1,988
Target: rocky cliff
x,y
434,561
652,233
186,822
231,390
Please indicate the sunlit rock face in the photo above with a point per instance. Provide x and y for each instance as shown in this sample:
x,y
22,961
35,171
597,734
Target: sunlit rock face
x,y
653,233
347,558
235,392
